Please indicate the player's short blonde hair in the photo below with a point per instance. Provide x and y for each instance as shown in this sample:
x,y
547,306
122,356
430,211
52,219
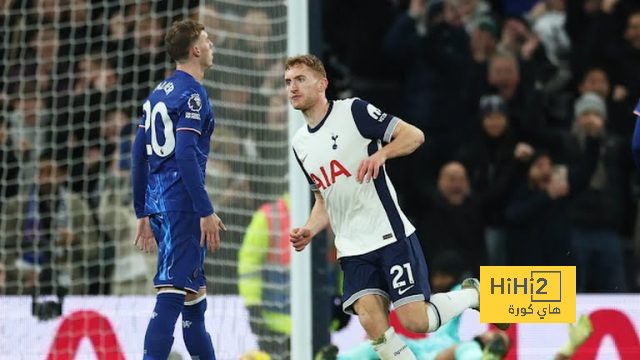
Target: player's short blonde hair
x,y
309,60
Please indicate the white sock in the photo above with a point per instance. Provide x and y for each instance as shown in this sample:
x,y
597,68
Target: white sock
x,y
443,307
393,348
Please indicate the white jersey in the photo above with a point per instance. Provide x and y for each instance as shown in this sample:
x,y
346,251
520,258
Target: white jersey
x,y
366,216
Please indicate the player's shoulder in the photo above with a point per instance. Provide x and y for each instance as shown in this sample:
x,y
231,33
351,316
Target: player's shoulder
x,y
299,136
171,89
344,104
362,109
190,97
356,106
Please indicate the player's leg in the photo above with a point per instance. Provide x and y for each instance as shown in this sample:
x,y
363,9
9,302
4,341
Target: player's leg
x,y
373,313
194,332
365,295
408,279
195,335
170,298
159,336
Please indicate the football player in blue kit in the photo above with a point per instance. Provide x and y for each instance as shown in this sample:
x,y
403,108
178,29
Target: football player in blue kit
x,y
340,150
172,206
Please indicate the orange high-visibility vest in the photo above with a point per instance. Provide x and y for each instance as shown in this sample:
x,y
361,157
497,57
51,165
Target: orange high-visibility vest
x,y
279,226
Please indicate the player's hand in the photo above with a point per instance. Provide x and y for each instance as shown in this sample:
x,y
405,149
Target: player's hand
x,y
300,238
210,227
370,167
145,240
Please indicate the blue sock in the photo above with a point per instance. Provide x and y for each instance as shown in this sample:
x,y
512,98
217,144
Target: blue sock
x,y
196,337
159,336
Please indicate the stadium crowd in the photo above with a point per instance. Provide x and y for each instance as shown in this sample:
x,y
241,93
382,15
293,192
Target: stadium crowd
x,y
527,108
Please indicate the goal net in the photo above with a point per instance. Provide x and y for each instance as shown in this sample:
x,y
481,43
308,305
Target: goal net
x,y
73,76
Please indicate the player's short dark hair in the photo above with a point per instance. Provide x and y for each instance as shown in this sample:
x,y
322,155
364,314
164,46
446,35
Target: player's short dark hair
x,y
309,60
180,37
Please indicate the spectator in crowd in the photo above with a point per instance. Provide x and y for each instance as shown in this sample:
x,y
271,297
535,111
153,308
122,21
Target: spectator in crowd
x,y
116,131
548,19
537,213
93,72
258,30
624,68
50,234
597,80
143,69
518,39
483,40
371,72
28,128
493,171
451,220
596,212
9,169
263,272
528,108
472,12
431,47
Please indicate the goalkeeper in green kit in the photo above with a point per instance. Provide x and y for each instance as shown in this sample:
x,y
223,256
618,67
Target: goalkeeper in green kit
x,y
445,344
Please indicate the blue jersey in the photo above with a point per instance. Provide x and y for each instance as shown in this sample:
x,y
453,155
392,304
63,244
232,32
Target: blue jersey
x,y
179,103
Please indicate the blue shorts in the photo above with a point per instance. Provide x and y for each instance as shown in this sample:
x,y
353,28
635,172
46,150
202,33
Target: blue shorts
x,y
397,272
180,257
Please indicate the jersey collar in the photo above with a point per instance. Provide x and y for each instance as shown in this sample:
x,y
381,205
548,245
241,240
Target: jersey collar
x,y
185,74
317,127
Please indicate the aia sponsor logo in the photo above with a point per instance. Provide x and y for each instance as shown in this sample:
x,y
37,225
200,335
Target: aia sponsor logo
x,y
328,177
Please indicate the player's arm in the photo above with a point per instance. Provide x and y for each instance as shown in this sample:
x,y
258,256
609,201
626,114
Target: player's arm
x,y
401,138
191,174
319,217
318,221
144,239
405,139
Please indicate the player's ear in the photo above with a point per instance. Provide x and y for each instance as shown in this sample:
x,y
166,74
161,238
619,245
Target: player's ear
x,y
324,83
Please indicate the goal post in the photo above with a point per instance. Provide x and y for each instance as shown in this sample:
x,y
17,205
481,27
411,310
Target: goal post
x,y
301,302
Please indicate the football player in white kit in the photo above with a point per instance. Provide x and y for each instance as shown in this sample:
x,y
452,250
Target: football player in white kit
x,y
341,152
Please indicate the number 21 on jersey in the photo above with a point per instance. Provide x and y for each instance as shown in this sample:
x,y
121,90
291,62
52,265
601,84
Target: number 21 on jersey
x,y
150,118
398,273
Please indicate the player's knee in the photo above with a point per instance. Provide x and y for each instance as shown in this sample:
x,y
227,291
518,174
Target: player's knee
x,y
194,296
413,317
194,309
415,325
372,315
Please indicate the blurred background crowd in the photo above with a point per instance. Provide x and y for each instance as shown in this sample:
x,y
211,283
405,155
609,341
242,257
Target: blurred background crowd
x,y
526,106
